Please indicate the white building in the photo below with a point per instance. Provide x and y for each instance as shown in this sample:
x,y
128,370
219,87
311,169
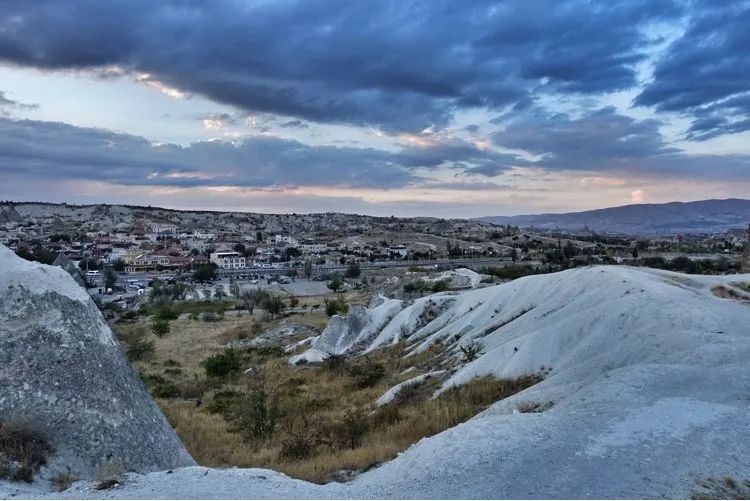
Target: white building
x,y
228,260
312,248
162,228
283,239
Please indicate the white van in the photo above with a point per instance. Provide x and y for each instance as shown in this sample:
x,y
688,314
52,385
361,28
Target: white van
x,y
92,273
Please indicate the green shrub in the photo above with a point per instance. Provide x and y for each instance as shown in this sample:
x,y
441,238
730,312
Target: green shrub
x,y
222,365
336,306
167,313
139,350
165,390
334,362
210,316
471,351
365,373
440,285
160,326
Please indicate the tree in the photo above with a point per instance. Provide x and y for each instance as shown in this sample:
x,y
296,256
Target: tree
x,y
292,273
252,298
205,273
569,250
293,301
207,294
453,250
308,268
514,255
110,277
273,304
352,271
635,252
160,326
335,284
234,289
118,265
336,306
223,364
219,292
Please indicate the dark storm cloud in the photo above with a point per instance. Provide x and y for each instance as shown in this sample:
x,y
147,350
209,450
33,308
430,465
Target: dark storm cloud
x,y
607,141
398,64
705,73
54,150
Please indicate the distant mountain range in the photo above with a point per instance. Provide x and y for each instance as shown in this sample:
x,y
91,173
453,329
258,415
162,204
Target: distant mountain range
x,y
705,216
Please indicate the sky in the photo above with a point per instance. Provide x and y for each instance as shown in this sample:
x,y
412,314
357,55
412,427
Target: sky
x,y
433,108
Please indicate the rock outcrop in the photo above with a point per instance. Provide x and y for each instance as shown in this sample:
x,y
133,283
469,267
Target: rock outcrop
x,y
460,278
344,333
745,266
66,264
63,374
9,214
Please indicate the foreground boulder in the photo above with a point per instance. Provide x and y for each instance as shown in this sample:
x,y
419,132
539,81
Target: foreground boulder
x,y
64,376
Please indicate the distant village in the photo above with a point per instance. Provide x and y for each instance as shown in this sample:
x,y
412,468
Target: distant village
x,y
137,239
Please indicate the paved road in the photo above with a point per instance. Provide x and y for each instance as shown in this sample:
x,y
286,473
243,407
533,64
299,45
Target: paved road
x,y
452,263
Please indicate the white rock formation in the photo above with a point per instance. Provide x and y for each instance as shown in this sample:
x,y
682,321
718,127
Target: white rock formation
x,y
63,375
648,374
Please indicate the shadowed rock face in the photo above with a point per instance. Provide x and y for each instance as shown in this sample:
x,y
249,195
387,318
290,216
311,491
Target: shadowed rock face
x,y
63,374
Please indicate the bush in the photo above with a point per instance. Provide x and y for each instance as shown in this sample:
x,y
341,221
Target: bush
x,y
471,351
352,271
334,362
336,306
273,304
160,326
22,452
222,365
366,373
167,314
222,402
440,285
253,416
350,431
139,350
165,390
210,316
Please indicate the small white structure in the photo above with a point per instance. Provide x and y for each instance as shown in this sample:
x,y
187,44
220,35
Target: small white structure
x,y
228,260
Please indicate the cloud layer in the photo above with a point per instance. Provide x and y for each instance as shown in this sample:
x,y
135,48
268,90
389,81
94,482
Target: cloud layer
x,y
398,64
413,74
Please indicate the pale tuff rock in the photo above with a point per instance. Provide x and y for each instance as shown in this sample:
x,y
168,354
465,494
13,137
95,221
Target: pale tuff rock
x,y
346,333
63,374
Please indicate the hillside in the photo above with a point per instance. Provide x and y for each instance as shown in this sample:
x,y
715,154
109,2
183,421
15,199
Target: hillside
x,y
705,216
645,393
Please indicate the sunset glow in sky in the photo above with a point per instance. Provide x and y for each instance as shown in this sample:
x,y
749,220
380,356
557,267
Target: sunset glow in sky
x,y
449,109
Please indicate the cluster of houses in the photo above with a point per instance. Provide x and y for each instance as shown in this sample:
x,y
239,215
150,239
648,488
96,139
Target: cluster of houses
x,y
154,244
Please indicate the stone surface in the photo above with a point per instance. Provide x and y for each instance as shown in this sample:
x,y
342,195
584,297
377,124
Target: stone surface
x,y
66,264
746,254
63,374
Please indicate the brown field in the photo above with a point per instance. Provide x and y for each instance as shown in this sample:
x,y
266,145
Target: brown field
x,y
315,422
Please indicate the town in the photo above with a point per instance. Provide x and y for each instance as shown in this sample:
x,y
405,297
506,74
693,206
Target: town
x,y
119,250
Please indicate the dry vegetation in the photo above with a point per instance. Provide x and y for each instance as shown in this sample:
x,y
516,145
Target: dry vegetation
x,y
22,452
725,488
732,293
319,422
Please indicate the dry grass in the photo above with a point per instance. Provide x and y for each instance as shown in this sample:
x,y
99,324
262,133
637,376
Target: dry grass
x,y
319,421
725,488
729,293
22,452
